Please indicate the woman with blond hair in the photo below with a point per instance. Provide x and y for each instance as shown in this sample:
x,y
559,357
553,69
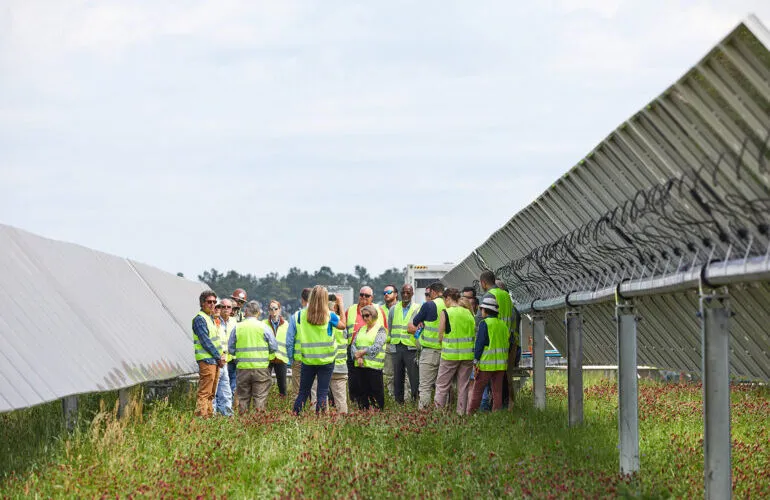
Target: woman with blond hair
x,y
368,354
316,347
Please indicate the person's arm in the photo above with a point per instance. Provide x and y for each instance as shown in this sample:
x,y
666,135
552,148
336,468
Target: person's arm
x,y
390,319
201,329
341,325
419,317
379,341
231,343
291,333
334,321
443,321
272,343
384,313
482,340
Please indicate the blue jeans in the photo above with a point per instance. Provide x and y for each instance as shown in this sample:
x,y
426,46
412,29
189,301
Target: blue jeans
x,y
223,403
231,374
307,376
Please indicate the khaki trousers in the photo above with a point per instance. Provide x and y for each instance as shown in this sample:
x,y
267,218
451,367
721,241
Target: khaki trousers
x,y
429,364
207,388
253,385
446,372
339,390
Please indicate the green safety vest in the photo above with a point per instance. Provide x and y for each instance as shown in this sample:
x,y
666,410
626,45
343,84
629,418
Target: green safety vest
x,y
200,352
398,330
429,336
315,346
350,321
366,338
280,337
495,355
226,337
340,337
506,312
251,349
457,345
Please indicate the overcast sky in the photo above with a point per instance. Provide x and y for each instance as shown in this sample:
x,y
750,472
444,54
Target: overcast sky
x,y
257,136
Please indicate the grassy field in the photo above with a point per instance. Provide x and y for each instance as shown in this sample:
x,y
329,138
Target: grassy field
x,y
161,450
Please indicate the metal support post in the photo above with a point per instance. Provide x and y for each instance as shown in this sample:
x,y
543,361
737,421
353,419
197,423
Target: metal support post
x,y
628,390
715,319
538,361
70,411
122,402
574,321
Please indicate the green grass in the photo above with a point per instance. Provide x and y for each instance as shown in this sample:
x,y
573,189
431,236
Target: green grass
x,y
162,450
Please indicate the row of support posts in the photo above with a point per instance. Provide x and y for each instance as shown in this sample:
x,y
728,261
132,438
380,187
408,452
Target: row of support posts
x,y
70,408
715,313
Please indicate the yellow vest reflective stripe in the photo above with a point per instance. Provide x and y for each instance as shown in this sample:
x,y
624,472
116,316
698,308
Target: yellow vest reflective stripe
x,y
505,311
316,346
226,329
280,337
366,338
429,335
458,344
341,357
200,352
495,355
398,330
251,349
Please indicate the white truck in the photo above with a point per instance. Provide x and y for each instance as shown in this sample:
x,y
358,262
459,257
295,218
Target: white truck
x,y
420,276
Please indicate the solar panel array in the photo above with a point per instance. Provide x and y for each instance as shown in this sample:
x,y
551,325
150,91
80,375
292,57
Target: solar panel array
x,y
680,187
76,321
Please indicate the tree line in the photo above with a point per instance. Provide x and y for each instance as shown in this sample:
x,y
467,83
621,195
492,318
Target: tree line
x,y
287,288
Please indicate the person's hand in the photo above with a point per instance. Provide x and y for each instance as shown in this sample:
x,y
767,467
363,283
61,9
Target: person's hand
x,y
221,362
360,362
475,371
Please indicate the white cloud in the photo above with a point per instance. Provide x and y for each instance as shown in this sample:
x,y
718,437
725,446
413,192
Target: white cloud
x,y
120,121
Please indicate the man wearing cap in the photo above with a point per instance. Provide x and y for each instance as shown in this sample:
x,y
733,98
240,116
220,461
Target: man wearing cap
x,y
206,342
490,355
430,355
240,298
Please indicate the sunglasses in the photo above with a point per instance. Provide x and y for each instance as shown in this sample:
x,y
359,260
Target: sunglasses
x,y
367,295
388,292
366,316
226,307
274,308
211,301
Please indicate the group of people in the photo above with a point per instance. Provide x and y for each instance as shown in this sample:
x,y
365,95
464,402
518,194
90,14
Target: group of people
x,y
452,343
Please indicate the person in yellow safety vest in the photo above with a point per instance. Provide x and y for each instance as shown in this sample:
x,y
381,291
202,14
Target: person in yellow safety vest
x,y
338,387
317,348
240,298
223,401
509,316
230,321
457,332
291,335
390,297
279,359
490,355
354,323
252,341
403,345
368,352
427,319
206,345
